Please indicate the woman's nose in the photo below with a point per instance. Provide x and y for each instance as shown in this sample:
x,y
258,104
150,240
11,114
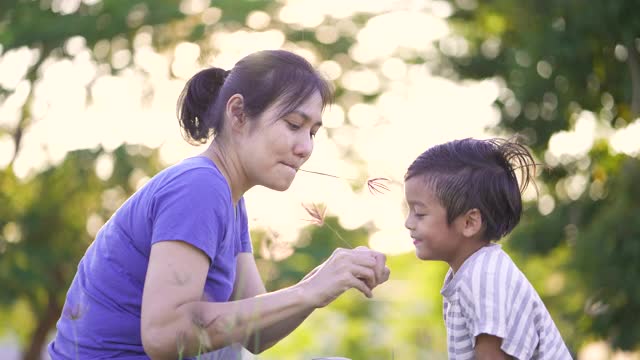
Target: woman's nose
x,y
303,147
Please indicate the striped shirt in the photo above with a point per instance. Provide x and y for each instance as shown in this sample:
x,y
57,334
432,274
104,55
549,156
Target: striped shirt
x,y
490,295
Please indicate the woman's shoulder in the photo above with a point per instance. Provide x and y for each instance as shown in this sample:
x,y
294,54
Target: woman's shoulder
x,y
198,165
197,171
190,182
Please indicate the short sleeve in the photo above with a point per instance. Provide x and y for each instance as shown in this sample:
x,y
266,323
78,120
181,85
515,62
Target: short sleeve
x,y
193,207
245,237
498,303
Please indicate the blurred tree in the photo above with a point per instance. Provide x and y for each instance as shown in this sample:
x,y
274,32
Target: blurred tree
x,y
557,59
48,220
405,324
49,223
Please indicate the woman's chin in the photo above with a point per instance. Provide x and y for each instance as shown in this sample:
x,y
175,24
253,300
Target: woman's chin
x,y
280,188
281,185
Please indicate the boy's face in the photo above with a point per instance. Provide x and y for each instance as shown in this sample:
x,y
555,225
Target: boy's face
x,y
432,236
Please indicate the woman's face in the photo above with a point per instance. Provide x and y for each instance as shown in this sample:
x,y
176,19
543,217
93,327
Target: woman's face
x,y
275,147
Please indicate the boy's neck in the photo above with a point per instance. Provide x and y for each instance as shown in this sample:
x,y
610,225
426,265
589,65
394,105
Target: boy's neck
x,y
464,253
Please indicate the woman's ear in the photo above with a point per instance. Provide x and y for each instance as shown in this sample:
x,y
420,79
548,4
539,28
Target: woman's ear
x,y
235,111
472,223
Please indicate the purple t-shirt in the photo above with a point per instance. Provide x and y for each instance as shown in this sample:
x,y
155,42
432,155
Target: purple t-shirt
x,y
190,202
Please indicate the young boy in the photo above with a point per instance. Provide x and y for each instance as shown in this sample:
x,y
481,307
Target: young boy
x,y
461,195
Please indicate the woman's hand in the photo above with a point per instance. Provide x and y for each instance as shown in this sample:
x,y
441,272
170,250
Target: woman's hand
x,y
360,268
381,270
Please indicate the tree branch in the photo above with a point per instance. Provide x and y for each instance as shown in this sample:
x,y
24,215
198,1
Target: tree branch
x,y
633,60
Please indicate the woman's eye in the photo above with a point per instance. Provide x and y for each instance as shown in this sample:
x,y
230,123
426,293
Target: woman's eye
x,y
293,126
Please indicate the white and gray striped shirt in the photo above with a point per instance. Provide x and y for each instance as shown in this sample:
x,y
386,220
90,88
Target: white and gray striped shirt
x,y
490,295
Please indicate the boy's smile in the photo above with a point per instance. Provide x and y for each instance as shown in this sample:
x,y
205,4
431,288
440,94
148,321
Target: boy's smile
x,y
432,236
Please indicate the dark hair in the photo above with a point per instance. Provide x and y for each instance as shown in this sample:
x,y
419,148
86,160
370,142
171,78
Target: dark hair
x,y
470,173
262,78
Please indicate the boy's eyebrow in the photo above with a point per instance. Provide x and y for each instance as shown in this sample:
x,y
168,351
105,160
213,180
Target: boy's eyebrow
x,y
416,202
306,116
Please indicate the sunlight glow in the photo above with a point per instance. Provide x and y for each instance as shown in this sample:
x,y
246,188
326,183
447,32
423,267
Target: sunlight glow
x,y
234,46
104,166
412,30
191,7
333,116
14,65
546,204
363,81
258,20
625,140
330,69
136,105
7,150
185,60
570,145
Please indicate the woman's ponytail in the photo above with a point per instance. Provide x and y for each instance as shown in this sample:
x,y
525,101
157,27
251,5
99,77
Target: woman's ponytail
x,y
194,112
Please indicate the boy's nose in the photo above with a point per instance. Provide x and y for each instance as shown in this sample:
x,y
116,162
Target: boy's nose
x,y
408,224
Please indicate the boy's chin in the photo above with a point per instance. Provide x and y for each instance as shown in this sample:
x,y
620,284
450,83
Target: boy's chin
x,y
422,255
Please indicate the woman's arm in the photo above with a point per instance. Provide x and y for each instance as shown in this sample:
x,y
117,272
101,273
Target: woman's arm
x,y
175,321
488,348
249,284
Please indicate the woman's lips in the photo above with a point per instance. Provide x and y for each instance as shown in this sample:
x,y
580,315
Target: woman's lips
x,y
291,166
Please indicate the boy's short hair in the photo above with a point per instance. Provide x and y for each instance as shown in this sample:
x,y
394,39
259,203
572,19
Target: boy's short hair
x,y
471,173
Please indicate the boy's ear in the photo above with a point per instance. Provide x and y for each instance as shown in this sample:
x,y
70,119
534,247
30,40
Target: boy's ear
x,y
472,223
235,112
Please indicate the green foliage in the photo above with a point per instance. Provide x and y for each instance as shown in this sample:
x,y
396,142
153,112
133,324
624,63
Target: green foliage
x,y
318,243
598,240
607,256
556,59
45,229
402,321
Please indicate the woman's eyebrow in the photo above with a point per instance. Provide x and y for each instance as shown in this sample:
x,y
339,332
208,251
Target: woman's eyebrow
x,y
306,116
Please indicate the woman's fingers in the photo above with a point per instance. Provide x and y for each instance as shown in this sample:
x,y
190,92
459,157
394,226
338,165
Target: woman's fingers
x,y
360,285
362,269
380,267
365,274
379,264
385,274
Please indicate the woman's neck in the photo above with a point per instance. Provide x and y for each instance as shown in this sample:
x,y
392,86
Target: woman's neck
x,y
227,163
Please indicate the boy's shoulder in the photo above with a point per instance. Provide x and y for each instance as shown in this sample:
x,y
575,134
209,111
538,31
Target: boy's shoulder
x,y
489,267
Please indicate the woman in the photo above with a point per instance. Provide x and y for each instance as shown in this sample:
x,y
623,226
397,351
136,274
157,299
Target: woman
x,y
171,274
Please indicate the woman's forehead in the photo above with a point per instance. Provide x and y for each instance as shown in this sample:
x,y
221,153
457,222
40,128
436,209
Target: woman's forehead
x,y
310,109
